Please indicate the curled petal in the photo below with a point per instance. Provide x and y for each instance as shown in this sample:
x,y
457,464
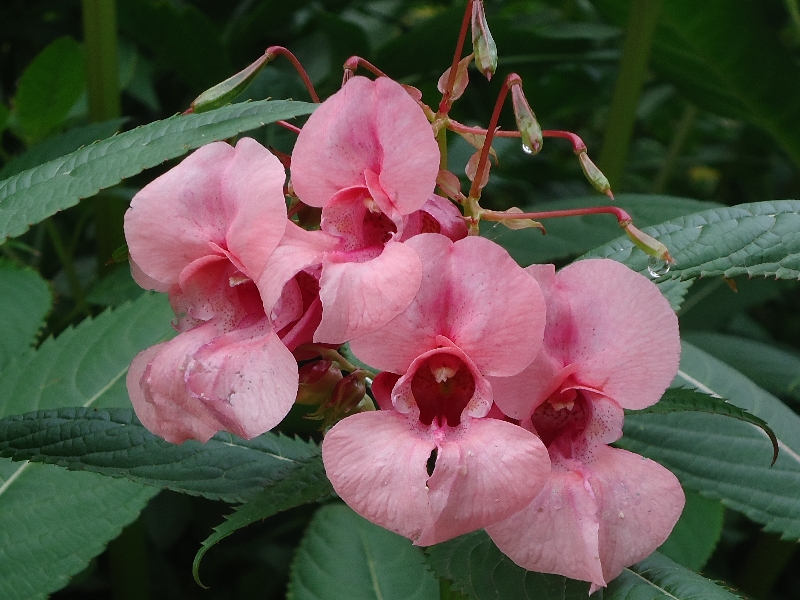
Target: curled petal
x,y
377,461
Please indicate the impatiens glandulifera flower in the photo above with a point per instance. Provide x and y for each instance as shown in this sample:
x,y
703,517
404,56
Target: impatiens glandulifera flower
x,y
433,464
203,232
367,156
611,343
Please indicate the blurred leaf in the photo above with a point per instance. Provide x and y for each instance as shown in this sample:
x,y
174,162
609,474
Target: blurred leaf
x,y
26,301
658,578
345,39
181,39
696,533
345,557
761,238
712,304
4,114
571,236
35,194
567,30
49,88
61,144
54,521
722,56
725,458
113,442
115,288
774,369
301,485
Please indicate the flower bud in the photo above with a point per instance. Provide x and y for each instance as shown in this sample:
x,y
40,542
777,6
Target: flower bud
x,y
594,175
450,185
483,45
527,124
648,244
461,81
317,382
472,170
224,92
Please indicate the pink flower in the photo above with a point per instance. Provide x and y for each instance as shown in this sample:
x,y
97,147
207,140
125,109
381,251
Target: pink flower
x,y
203,232
432,464
367,156
611,343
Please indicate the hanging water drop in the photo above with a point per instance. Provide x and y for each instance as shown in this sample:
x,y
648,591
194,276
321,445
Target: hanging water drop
x,y
657,267
526,149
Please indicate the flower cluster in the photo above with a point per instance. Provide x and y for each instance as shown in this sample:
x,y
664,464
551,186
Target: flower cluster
x,y
500,388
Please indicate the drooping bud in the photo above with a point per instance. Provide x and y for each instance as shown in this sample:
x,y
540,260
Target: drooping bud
x,y
450,185
527,124
594,175
317,381
224,92
483,45
648,244
349,395
461,81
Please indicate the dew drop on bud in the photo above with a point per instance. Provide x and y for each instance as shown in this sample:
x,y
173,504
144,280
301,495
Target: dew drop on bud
x,y
526,149
657,267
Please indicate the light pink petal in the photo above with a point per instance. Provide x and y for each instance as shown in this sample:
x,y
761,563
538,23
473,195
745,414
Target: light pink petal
x,y
376,462
558,532
640,504
144,280
169,421
519,395
357,298
437,215
622,333
473,293
298,249
216,192
484,473
367,125
247,378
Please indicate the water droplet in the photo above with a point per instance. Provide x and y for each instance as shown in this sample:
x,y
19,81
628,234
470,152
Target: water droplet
x,y
657,267
526,149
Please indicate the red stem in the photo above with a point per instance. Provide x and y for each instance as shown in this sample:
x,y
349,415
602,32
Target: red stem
x,y
288,126
352,64
273,51
512,79
444,105
578,145
622,217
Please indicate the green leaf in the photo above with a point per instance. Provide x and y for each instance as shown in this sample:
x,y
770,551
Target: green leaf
x,y
723,56
681,400
658,578
26,301
4,115
35,194
54,521
307,483
675,291
761,238
115,288
343,556
727,459
59,145
774,369
477,568
696,533
49,88
570,236
113,442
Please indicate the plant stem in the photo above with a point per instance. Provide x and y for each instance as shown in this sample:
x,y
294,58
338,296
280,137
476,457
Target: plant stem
x,y
674,151
641,28
444,105
274,51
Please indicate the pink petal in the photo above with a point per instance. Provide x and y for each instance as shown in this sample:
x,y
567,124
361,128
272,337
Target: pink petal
x,y
377,463
357,298
474,294
519,395
367,125
230,197
437,215
558,532
617,327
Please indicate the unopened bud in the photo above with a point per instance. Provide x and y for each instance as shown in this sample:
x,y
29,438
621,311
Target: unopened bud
x,y
224,92
648,244
450,185
595,175
349,392
461,81
483,45
317,381
528,126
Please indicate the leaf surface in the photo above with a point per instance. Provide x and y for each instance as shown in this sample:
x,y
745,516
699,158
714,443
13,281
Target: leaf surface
x,y
35,194
26,301
345,557
696,533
